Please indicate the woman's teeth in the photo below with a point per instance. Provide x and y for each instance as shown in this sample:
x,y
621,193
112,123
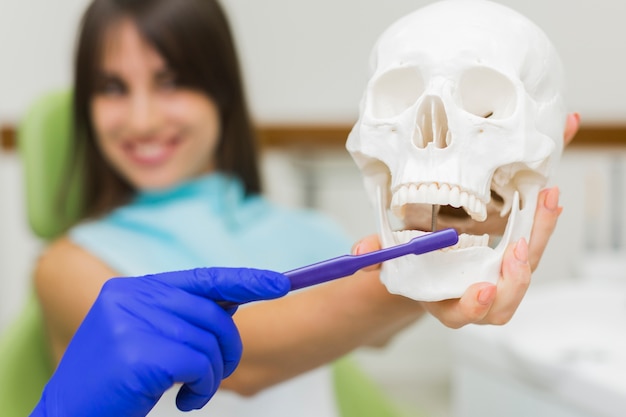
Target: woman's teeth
x,y
149,150
442,194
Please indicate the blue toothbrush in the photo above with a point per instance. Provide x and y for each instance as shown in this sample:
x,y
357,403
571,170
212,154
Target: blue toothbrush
x,y
346,265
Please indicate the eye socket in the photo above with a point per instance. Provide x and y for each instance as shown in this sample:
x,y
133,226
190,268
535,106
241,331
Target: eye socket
x,y
395,91
487,93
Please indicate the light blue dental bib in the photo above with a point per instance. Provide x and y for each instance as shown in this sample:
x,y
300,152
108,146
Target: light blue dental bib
x,y
208,222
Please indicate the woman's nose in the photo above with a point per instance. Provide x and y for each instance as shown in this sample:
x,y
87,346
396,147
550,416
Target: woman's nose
x,y
143,114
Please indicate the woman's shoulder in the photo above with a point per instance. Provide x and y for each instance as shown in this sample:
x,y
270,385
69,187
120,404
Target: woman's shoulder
x,y
62,261
59,252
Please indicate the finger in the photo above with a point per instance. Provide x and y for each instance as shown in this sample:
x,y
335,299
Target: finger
x,y
368,244
195,394
165,362
512,286
239,285
187,399
193,320
571,127
202,353
546,216
472,307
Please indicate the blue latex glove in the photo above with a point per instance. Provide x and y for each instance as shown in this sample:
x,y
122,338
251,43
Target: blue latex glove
x,y
144,334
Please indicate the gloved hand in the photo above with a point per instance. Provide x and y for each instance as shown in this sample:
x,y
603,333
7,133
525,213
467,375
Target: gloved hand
x,y
144,334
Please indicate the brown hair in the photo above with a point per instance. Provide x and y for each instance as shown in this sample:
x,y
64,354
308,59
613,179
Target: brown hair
x,y
194,38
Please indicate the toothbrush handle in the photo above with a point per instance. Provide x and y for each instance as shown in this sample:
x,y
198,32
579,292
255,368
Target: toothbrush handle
x,y
345,265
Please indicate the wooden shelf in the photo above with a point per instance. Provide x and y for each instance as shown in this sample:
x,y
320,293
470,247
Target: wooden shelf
x,y
7,138
336,135
308,136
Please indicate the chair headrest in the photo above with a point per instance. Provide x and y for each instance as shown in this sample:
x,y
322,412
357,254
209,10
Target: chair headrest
x,y
44,141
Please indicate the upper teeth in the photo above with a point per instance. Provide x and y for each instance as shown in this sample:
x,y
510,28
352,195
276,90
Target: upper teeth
x,y
149,150
442,194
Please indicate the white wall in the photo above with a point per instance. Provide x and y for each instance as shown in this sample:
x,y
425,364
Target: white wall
x,y
319,70
307,60
36,46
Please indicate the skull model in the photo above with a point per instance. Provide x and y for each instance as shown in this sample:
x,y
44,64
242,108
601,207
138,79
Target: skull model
x,y
463,116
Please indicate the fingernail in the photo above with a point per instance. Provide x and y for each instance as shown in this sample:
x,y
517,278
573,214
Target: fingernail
x,y
521,251
552,199
357,249
485,296
577,116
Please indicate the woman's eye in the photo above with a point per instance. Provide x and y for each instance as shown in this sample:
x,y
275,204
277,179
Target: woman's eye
x,y
111,87
167,81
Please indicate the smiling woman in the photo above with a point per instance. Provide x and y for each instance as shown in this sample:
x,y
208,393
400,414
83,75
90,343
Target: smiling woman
x,y
153,131
142,100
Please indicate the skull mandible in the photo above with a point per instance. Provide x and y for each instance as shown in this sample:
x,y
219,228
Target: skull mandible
x,y
463,117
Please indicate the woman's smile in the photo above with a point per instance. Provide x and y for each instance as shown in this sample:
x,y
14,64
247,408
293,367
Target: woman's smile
x,y
151,152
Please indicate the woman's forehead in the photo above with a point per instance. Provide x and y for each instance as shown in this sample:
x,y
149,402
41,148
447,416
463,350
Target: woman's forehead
x,y
125,49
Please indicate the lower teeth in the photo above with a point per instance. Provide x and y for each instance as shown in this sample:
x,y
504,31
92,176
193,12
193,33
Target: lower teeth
x,y
465,240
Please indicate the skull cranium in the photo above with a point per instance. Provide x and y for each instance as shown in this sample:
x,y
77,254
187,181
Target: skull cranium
x,y
463,112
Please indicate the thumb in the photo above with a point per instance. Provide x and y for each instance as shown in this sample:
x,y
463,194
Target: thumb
x,y
367,244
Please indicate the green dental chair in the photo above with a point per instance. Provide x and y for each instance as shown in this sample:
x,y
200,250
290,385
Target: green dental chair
x,y
25,365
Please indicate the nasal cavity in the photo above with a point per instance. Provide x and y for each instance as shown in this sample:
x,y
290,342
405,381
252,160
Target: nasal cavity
x,y
431,125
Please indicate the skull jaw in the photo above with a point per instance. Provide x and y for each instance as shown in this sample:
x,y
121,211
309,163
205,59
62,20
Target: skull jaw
x,y
437,276
446,274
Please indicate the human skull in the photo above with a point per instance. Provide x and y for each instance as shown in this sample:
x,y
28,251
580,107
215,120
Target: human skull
x,y
463,113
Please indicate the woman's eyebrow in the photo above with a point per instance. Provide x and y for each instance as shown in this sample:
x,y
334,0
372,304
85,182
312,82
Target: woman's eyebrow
x,y
107,74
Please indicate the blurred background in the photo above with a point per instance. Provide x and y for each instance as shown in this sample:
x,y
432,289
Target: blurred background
x,y
306,65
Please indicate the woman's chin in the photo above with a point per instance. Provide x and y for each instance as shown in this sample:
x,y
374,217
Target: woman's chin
x,y
158,182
